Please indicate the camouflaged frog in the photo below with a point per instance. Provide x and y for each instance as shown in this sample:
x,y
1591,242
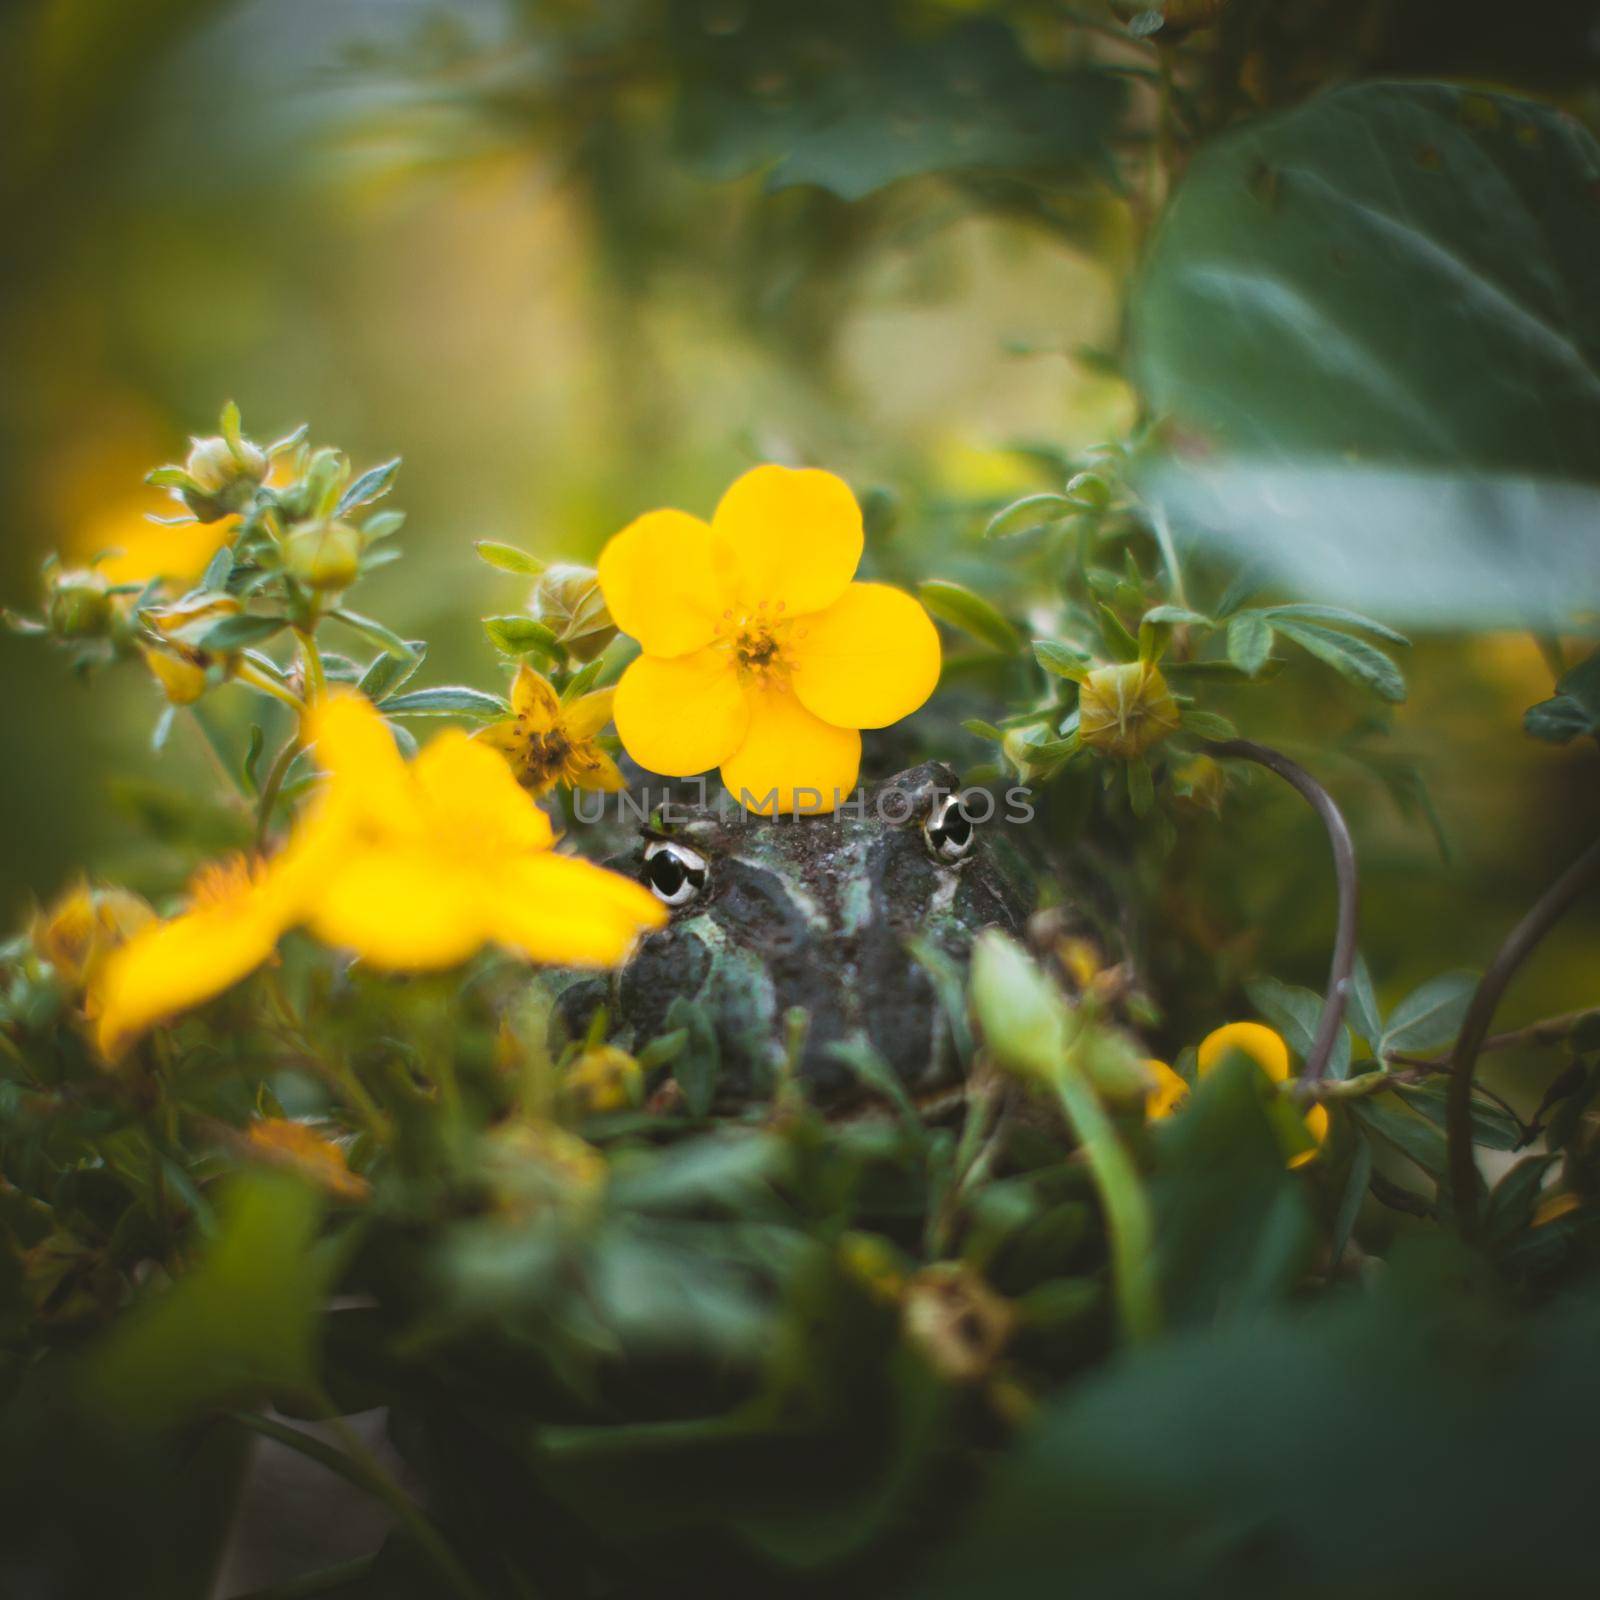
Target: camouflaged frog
x,y
817,913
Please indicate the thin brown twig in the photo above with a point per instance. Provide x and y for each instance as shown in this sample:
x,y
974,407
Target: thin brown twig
x,y
1343,964
1546,911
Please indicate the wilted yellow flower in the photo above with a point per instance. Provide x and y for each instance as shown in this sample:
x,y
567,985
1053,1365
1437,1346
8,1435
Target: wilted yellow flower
x,y
603,1079
292,1144
533,1166
1125,710
548,743
81,929
181,673
1167,1093
956,1320
412,867
1267,1049
761,656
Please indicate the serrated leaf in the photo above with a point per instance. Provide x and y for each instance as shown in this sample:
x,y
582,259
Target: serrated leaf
x,y
1249,642
959,606
1354,659
508,558
447,700
1429,1017
372,485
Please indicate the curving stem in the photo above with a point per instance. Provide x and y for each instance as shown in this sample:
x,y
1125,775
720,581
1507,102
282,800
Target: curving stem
x,y
1344,868
1547,910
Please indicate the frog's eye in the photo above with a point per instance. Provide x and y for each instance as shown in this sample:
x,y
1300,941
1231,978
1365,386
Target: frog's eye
x,y
675,873
949,830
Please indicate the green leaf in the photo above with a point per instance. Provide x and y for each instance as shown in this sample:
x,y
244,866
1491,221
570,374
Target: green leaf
x,y
386,673
999,525
699,1064
372,485
1351,619
1120,644
448,700
1412,1136
1362,1011
516,636
1574,709
1249,642
971,613
1141,787
889,106
1178,614
1207,724
1429,1017
218,570
371,629
1354,659
382,525
1060,659
1295,1011
235,633
1369,322
508,558
1492,1126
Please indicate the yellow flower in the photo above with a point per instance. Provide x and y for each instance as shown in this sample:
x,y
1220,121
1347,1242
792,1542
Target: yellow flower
x,y
411,867
1126,709
83,927
1271,1054
548,743
603,1079
292,1144
761,656
141,549
1168,1092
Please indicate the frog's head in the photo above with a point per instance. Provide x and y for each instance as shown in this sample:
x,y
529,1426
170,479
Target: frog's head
x,y
819,913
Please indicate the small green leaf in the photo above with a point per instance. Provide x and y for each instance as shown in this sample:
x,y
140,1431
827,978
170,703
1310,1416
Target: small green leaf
x,y
235,633
982,729
1208,724
1177,615
371,629
698,1064
386,673
1492,1127
1120,644
1354,659
1351,619
508,558
290,440
1362,1011
515,636
218,570
373,484
1411,1135
448,700
1141,787
252,757
1295,1012
1249,642
971,613
998,525
1061,659
382,525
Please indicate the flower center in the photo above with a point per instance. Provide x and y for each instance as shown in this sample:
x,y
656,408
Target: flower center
x,y
760,643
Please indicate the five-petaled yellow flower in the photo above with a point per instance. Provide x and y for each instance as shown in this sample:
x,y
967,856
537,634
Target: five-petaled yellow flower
x,y
412,867
548,743
761,656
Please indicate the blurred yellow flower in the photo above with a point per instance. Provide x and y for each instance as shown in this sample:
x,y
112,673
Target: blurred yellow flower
x,y
1271,1054
412,867
138,549
1168,1092
291,1144
603,1079
761,656
79,931
548,743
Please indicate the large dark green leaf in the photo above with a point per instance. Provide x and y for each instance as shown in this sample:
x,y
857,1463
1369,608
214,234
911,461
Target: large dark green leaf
x,y
965,101
1371,323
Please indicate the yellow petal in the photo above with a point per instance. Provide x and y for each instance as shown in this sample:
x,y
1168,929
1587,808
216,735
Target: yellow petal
x,y
533,699
357,750
473,800
588,714
1169,1091
661,583
557,908
682,716
788,749
172,966
589,767
790,536
871,658
403,907
1253,1039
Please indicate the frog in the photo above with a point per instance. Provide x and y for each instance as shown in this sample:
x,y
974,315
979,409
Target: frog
x,y
844,916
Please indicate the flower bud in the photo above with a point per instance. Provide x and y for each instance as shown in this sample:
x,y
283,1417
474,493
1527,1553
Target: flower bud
x,y
1125,710
224,476
78,605
1089,490
603,1079
567,600
323,555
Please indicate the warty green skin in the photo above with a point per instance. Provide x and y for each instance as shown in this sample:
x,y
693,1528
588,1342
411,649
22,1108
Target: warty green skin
x,y
816,913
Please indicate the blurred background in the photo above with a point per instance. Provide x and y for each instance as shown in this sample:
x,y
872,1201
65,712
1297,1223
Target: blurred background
x,y
502,240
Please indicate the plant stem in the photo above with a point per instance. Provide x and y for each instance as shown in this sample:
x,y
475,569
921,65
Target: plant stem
x,y
1546,911
257,679
269,790
316,679
1126,1205
357,1465
1345,871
